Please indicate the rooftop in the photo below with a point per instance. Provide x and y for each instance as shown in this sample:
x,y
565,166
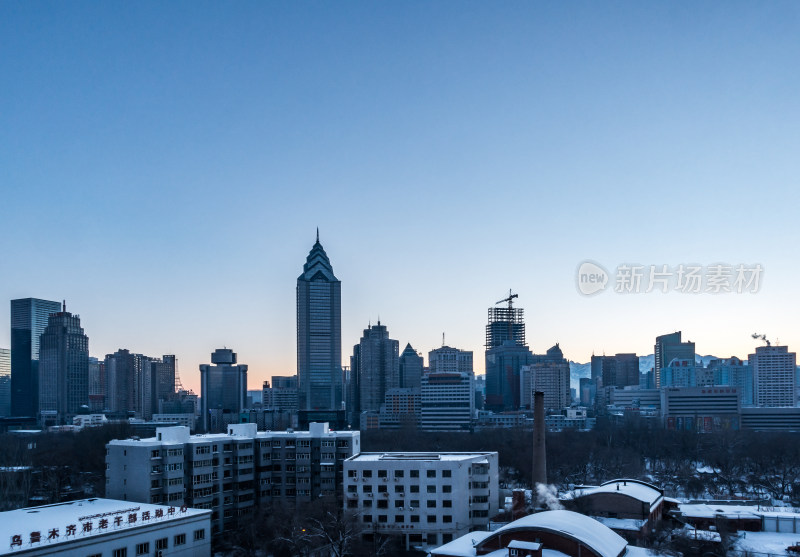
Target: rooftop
x,y
64,522
374,457
632,488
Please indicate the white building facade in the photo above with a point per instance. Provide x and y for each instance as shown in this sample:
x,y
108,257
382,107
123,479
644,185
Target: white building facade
x,y
229,473
774,369
427,498
447,402
106,528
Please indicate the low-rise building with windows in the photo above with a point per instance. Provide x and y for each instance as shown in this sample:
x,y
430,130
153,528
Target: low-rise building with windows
x,y
427,498
229,473
106,528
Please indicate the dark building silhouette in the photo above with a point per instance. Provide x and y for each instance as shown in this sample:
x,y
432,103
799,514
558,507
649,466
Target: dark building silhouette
x,y
669,347
223,390
28,322
319,334
620,370
378,367
506,353
63,368
411,368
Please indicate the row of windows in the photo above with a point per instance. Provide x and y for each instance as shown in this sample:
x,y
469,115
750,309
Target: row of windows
x,y
161,544
399,504
430,488
399,518
383,473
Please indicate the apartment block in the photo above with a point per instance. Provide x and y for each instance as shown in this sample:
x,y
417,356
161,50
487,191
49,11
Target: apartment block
x,y
229,473
427,498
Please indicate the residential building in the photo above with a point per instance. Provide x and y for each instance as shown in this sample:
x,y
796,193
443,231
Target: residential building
x,y
679,373
734,372
447,401
400,409
230,473
427,498
319,334
667,348
378,361
223,390
28,322
411,368
106,527
774,369
548,373
63,369
5,382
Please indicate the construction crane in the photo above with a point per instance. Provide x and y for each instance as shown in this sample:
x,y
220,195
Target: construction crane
x,y
510,299
761,337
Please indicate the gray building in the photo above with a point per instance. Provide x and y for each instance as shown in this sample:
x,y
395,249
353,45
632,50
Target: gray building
x,y
63,369
506,353
447,401
378,367
620,370
5,382
774,369
120,392
667,348
733,371
319,333
411,368
231,473
450,360
223,390
548,373
281,395
28,322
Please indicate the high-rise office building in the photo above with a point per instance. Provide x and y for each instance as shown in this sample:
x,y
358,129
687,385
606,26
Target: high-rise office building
x,y
450,360
620,370
63,368
667,348
223,390
732,371
120,370
447,401
319,333
506,353
411,368
282,395
97,385
28,322
5,382
378,367
774,369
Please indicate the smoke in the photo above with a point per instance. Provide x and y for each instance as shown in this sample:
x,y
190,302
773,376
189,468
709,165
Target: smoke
x,y
547,497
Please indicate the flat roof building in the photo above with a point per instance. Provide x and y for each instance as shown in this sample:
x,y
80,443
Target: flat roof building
x,y
106,527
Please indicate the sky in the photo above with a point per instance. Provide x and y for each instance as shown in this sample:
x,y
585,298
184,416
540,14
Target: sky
x,y
164,167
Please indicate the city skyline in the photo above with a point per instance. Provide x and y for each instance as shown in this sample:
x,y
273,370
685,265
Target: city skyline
x,y
172,165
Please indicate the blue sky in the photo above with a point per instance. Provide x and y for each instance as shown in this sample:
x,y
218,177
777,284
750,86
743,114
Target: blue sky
x,y
163,167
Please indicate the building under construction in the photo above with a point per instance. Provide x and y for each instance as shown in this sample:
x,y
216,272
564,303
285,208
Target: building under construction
x,y
505,323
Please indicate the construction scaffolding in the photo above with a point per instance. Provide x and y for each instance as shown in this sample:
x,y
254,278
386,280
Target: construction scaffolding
x,y
505,323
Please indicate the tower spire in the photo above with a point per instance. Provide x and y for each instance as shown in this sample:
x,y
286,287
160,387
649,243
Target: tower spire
x,y
318,234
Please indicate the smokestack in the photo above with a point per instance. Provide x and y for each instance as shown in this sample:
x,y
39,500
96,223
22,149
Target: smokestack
x,y
539,451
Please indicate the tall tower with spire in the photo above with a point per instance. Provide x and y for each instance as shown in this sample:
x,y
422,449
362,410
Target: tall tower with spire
x,y
319,333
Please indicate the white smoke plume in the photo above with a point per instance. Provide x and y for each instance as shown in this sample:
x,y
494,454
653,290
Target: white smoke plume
x,y
547,497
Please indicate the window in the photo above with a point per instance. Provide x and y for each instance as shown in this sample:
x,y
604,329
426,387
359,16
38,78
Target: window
x,y
199,534
367,518
431,489
414,489
180,539
121,552
367,503
352,503
414,503
382,473
352,474
143,548
96,555
382,489
367,488
447,489
383,504
398,473
447,503
431,504
383,518
414,518
161,543
447,518
431,473
431,518
414,473
447,473
399,503
367,473
399,518
398,489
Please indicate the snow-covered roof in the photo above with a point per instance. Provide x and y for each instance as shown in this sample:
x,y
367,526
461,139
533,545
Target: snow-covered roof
x,y
588,531
628,524
772,543
704,510
65,522
463,546
516,544
632,488
418,457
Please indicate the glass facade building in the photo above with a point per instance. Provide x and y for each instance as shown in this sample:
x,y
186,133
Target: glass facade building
x,y
28,322
319,334
5,382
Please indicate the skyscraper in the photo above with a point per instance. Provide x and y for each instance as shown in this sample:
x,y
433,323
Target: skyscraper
x,y
619,371
547,373
223,390
5,382
506,353
450,360
28,322
667,348
378,367
774,369
120,380
411,368
63,368
319,333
